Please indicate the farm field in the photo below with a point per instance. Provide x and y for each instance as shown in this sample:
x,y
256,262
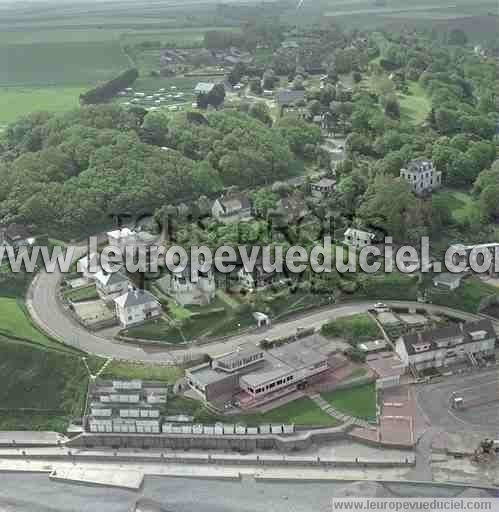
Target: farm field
x,y
19,101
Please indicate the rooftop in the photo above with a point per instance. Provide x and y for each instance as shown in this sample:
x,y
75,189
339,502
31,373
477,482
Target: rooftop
x,y
242,352
466,331
204,87
288,96
135,298
447,278
385,364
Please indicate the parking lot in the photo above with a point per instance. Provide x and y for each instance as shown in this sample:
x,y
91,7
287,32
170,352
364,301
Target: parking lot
x,y
481,387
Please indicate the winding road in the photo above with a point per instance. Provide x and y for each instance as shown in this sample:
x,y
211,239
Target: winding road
x,y
48,312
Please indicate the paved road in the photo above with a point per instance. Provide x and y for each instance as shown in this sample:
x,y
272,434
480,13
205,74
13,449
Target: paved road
x,y
48,312
434,401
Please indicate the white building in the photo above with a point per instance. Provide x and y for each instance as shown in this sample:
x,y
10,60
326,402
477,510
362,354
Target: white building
x,y
358,238
448,281
323,187
441,347
422,176
186,289
88,263
135,307
110,286
235,206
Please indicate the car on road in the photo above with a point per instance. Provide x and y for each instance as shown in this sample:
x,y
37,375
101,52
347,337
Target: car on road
x,y
381,307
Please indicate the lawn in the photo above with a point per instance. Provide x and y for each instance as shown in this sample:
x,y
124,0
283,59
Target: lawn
x,y
354,329
461,205
82,294
130,370
20,101
300,412
50,384
359,401
15,322
416,105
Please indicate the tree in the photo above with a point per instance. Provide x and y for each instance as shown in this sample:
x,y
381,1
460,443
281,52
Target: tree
x,y
155,128
255,87
489,204
259,110
392,107
108,90
457,37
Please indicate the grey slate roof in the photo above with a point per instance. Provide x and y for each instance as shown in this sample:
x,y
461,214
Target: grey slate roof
x,y
453,331
135,298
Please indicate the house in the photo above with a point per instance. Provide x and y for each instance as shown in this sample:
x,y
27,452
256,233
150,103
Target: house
x,y
231,207
126,238
186,290
89,265
323,187
16,236
288,97
204,88
135,307
256,278
110,285
440,347
422,176
448,281
358,238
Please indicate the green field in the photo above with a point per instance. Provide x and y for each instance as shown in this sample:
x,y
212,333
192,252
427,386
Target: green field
x,y
65,63
81,294
416,105
355,329
51,385
462,205
121,369
19,101
359,401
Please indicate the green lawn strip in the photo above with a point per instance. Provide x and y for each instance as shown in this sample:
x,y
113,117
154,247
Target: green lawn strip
x,y
302,411
415,105
462,206
15,322
131,370
466,298
355,329
359,401
82,294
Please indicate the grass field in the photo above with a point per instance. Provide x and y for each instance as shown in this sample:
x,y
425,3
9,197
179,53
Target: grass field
x,y
462,205
355,329
359,401
61,64
416,105
82,294
19,101
121,369
39,389
300,412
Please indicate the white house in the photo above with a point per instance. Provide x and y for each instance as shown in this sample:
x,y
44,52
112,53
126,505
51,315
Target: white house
x,y
448,281
358,238
120,238
187,290
110,285
233,207
447,345
135,307
88,263
323,187
422,176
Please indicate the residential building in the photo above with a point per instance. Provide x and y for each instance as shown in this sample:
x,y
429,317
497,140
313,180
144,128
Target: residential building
x,y
323,187
447,345
422,176
289,97
204,87
358,238
126,239
110,285
136,306
447,281
17,236
231,207
89,265
255,278
187,289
